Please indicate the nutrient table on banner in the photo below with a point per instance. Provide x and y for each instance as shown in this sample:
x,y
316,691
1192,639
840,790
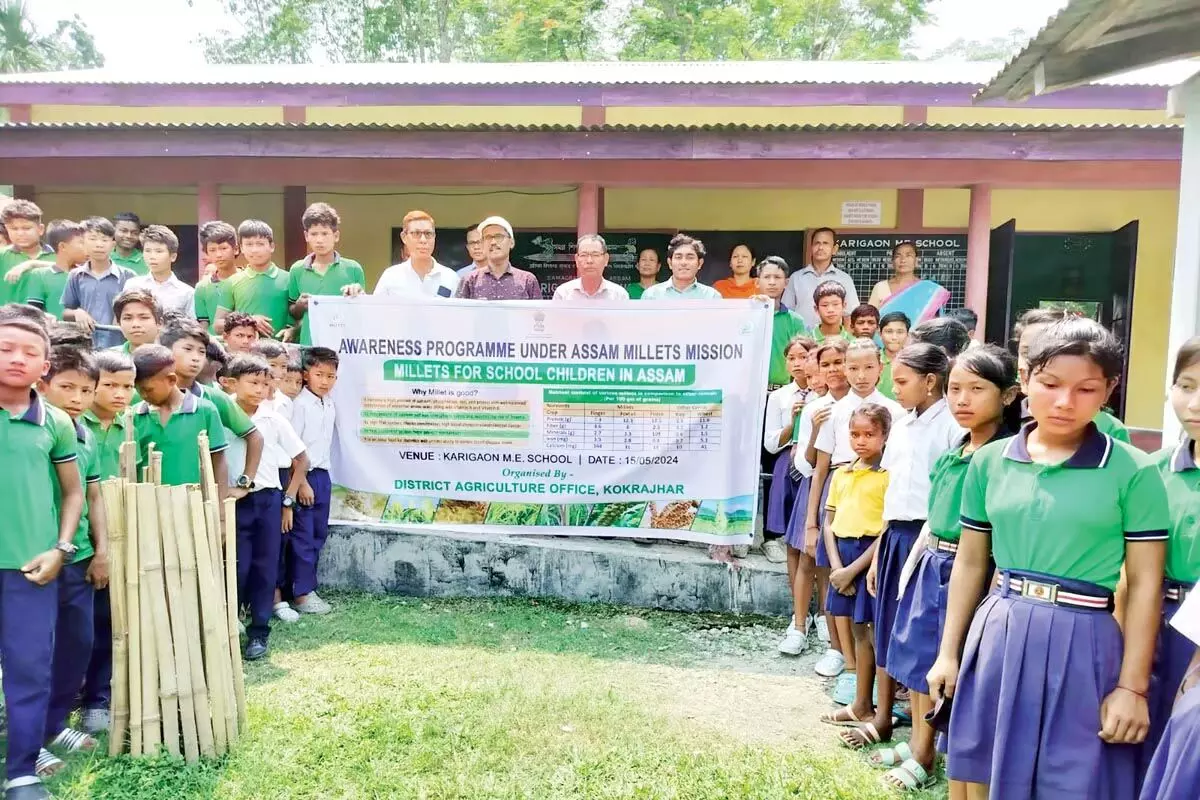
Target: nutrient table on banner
x,y
633,420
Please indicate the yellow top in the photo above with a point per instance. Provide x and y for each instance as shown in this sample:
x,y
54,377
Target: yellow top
x,y
856,500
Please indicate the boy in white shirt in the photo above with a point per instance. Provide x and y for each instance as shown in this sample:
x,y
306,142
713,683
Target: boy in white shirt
x,y
313,417
276,355
265,509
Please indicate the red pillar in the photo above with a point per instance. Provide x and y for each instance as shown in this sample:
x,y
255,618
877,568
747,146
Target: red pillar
x,y
295,200
208,203
910,210
979,234
589,209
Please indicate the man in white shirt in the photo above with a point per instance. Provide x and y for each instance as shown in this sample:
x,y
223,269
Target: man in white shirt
x,y
591,257
421,275
803,282
160,248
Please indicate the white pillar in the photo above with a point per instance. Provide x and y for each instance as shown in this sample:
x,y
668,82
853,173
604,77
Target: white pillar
x,y
1185,285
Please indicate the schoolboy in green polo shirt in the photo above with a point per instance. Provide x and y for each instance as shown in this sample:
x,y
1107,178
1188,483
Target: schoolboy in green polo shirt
x,y
188,343
785,324
218,240
70,386
128,252
323,271
106,418
172,419
43,287
38,449
261,288
23,224
140,317
830,301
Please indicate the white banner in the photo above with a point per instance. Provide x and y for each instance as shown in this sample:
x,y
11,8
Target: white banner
x,y
635,419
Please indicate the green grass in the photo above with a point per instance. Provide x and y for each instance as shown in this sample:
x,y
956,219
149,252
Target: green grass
x,y
490,699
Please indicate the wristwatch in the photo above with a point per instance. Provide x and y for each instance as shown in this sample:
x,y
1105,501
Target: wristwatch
x,y
67,549
244,482
288,502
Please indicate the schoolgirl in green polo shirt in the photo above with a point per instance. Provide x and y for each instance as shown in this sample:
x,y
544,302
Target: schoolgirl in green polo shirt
x,y
261,288
38,450
1178,466
1061,508
323,271
979,393
70,386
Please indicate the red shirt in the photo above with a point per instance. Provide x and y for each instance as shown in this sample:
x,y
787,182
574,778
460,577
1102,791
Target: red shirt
x,y
731,291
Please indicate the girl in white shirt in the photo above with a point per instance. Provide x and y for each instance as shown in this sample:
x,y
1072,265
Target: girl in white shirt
x,y
783,412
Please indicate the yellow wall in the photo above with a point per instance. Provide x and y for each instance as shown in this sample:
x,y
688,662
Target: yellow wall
x,y
446,115
156,114
955,115
737,115
165,206
735,209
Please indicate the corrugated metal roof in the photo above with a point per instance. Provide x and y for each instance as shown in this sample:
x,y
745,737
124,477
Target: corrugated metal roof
x,y
498,128
570,73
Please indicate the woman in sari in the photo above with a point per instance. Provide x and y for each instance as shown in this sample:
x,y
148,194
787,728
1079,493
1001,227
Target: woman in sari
x,y
905,291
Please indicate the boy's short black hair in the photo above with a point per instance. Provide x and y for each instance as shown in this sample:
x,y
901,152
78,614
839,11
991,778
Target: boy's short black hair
x,y
255,229
895,316
216,352
21,209
150,360
113,361
178,328
11,317
140,297
268,349
314,356
217,232
244,364
320,214
100,225
864,311
64,358
27,313
945,332
237,319
61,230
66,334
829,289
127,216
295,366
163,235
967,317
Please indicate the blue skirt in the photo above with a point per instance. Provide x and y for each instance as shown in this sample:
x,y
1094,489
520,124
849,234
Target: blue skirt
x,y
794,537
1175,770
822,557
780,495
920,620
860,606
1027,708
894,547
1172,655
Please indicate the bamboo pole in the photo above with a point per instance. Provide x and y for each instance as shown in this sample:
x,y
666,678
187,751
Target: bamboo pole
x,y
153,578
112,493
179,620
133,618
155,466
148,573
222,621
231,606
128,450
208,487
212,618
191,618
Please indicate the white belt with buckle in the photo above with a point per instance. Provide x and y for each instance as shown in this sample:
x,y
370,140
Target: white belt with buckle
x,y
1177,593
943,545
1053,593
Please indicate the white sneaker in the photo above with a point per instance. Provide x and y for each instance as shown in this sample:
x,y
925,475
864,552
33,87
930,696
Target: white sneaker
x,y
822,629
740,550
775,551
831,664
793,642
95,720
285,613
313,605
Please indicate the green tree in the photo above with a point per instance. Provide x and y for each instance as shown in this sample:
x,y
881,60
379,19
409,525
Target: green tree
x,y
997,48
540,30
25,49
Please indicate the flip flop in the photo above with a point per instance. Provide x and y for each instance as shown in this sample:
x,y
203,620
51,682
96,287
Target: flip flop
x,y
901,715
47,764
908,777
832,719
889,757
861,737
74,741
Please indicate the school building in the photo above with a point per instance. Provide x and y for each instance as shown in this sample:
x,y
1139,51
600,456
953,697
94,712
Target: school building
x,y
1068,197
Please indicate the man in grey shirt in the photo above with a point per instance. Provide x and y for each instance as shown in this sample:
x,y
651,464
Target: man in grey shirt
x,y
798,296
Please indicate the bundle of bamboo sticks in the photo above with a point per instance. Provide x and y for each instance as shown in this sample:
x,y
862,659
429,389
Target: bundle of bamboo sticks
x,y
177,664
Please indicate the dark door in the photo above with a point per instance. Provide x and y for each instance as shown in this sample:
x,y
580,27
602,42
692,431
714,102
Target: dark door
x,y
1000,276
1120,317
187,264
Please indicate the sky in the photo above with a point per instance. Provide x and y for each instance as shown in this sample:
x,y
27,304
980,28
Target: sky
x,y
123,37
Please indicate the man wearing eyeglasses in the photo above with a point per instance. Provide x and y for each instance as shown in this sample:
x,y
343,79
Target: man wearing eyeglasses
x,y
420,275
501,280
475,251
591,257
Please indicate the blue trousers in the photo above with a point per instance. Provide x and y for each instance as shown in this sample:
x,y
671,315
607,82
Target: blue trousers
x,y
97,685
259,515
73,636
309,534
284,581
28,614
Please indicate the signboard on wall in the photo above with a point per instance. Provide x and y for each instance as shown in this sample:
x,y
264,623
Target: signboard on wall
x,y
941,258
